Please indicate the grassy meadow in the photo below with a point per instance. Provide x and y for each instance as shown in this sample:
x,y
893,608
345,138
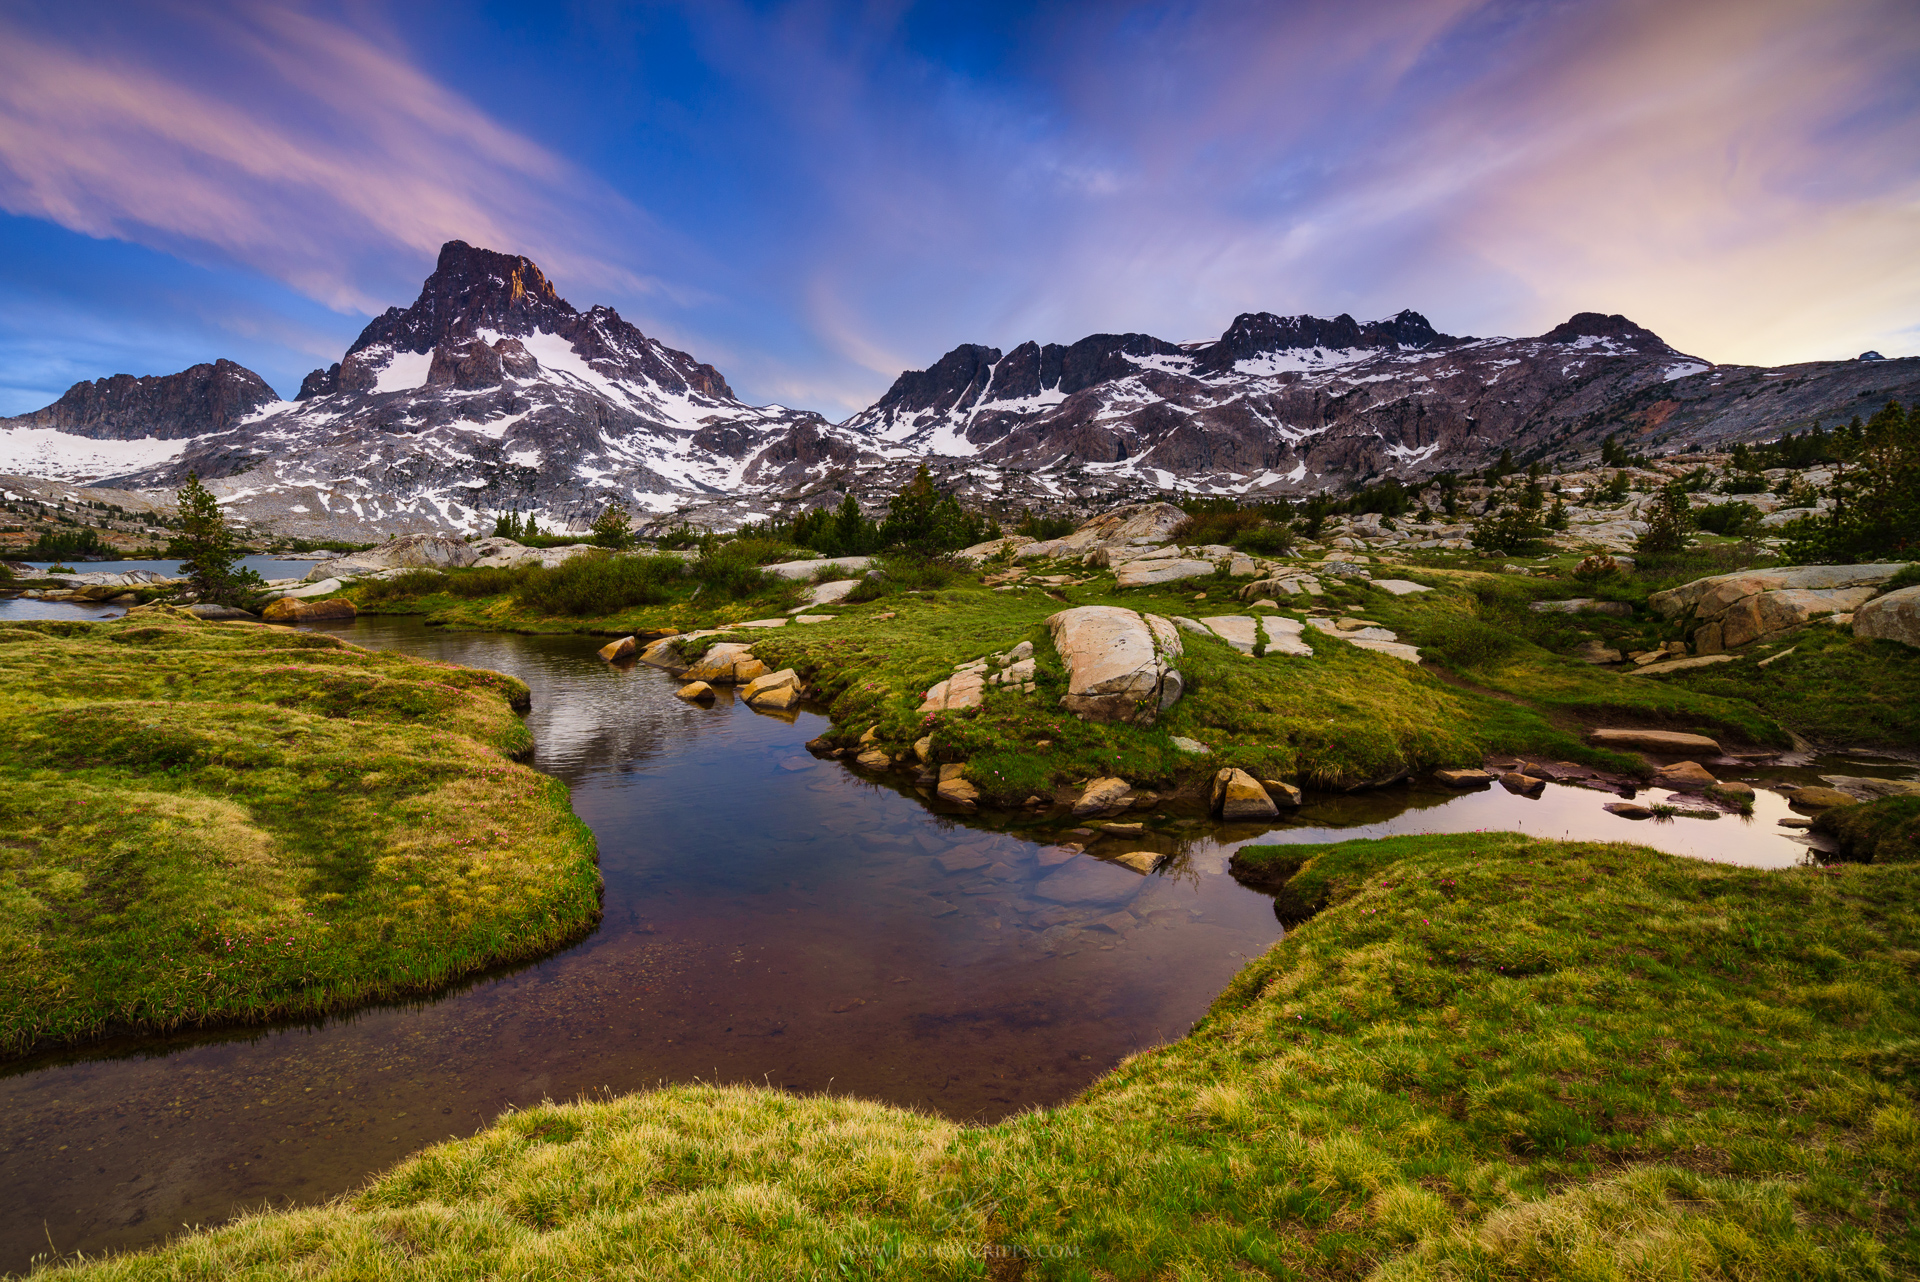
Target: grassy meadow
x,y
1342,718
212,823
1486,1057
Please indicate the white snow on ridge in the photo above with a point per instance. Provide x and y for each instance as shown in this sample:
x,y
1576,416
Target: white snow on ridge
x,y
62,456
1406,454
404,372
1683,369
1301,361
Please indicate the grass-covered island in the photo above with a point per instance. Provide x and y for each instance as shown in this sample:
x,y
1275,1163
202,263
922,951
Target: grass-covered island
x,y
1486,1057
206,823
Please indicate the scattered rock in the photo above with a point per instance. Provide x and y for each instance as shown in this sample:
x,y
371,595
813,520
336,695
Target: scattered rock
x,y
1401,587
1795,821
717,664
1138,574
1185,744
1662,741
1103,796
1893,617
624,648
1237,795
208,610
829,593
777,690
1819,798
701,692
1627,810
961,690
1591,651
748,669
1282,793
954,787
923,749
1522,785
807,569
1123,830
1463,778
874,759
1734,790
1684,776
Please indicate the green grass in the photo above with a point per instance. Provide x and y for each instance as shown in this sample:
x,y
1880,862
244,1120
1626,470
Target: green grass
x,y
1486,1057
216,823
1834,687
1886,831
1340,719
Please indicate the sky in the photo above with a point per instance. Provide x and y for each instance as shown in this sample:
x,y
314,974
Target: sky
x,y
816,196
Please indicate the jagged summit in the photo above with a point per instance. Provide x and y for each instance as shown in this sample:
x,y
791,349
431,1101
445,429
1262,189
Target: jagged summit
x,y
473,318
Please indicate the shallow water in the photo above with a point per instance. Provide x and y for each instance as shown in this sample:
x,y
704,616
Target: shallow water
x,y
267,567
769,917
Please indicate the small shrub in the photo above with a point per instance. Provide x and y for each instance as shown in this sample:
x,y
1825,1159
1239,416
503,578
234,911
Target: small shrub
x,y
1597,569
600,584
487,581
412,583
1464,642
730,570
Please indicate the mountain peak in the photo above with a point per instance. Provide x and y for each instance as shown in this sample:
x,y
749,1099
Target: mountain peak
x,y
1600,325
470,289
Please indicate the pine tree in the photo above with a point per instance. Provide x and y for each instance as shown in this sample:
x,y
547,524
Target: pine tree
x,y
207,547
612,528
1670,527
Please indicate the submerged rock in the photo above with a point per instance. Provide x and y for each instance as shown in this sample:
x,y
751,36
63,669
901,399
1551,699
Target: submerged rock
x,y
624,648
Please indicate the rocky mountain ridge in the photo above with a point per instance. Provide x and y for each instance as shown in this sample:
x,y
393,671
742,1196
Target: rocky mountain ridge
x,y
490,392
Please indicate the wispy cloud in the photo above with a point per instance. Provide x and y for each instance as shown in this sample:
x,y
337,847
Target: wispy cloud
x,y
319,157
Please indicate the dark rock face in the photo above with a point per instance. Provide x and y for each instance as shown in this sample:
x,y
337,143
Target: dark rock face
x,y
205,398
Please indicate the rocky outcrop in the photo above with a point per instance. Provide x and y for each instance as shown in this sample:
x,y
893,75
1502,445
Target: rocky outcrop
x,y
413,551
1893,617
1119,663
1730,610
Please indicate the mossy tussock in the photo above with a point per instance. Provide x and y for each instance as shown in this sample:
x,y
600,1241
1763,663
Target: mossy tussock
x,y
1487,1056
217,823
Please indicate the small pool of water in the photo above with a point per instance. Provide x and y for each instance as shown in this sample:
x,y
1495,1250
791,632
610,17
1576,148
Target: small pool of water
x,y
769,917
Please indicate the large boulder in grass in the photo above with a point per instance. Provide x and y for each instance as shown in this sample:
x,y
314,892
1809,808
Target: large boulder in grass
x,y
1119,663
1893,617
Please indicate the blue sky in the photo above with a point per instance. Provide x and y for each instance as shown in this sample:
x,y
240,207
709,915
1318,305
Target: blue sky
x,y
814,196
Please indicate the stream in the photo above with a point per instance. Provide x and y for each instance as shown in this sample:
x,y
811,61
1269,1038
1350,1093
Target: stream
x,y
770,918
